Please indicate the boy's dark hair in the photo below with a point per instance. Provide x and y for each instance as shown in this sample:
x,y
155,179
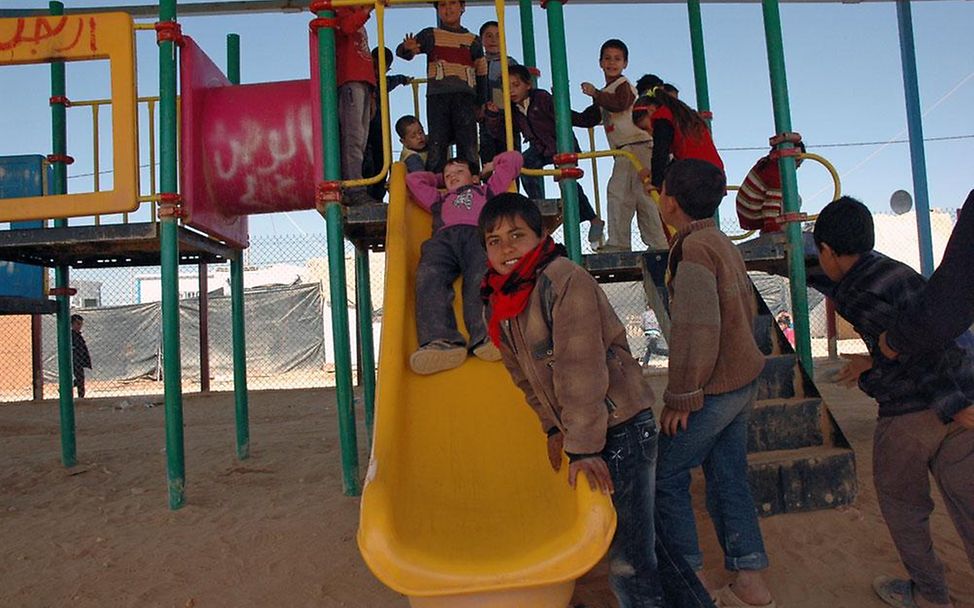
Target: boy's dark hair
x,y
403,123
697,186
845,225
77,318
486,25
507,206
520,71
615,43
459,160
647,82
669,88
390,56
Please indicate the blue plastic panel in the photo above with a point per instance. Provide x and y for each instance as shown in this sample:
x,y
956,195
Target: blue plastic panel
x,y
22,176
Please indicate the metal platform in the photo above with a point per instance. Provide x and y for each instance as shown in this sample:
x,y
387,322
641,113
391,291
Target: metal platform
x,y
105,246
768,253
10,305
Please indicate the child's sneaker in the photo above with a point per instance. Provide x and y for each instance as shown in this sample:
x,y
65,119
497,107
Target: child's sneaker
x,y
595,230
487,351
437,356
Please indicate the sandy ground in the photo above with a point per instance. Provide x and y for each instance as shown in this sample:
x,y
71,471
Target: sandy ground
x,y
276,530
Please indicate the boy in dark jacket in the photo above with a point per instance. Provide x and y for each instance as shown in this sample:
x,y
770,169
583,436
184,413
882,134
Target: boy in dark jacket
x,y
567,350
534,118
926,420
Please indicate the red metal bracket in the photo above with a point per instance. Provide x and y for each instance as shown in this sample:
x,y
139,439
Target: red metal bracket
x,y
787,136
565,158
62,291
170,205
778,153
320,5
169,31
569,173
320,22
706,115
544,3
787,218
61,99
328,192
60,158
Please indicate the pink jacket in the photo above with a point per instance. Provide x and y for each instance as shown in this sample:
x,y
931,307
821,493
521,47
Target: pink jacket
x,y
462,208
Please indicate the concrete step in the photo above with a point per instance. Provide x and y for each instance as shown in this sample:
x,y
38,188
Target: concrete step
x,y
777,379
785,424
806,479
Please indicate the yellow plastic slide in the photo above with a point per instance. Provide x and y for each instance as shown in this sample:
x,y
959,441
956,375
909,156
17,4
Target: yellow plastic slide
x,y
460,506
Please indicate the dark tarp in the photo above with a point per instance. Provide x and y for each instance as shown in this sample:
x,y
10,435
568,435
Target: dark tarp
x,y
284,333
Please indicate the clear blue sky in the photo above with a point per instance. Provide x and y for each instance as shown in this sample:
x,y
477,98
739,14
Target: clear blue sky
x,y
843,64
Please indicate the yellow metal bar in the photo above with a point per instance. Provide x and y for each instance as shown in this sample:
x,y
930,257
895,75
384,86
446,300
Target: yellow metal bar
x,y
152,159
380,9
837,183
144,26
595,173
94,151
505,78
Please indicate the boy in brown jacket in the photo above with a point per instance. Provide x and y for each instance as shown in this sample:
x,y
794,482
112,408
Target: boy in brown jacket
x,y
566,349
714,363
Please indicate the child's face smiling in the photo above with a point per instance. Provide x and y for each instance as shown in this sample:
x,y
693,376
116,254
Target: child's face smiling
x,y
449,12
508,242
612,62
491,40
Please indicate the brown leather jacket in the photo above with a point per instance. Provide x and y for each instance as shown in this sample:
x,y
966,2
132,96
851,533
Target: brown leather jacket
x,y
568,352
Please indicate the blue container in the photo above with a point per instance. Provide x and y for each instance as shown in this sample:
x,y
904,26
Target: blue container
x,y
22,176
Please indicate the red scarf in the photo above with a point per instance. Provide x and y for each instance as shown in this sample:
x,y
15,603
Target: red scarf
x,y
508,294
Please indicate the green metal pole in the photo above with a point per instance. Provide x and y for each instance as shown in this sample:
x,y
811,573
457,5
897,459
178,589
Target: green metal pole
x,y
332,213
563,123
241,405
168,229
700,68
914,123
528,53
363,301
65,367
789,182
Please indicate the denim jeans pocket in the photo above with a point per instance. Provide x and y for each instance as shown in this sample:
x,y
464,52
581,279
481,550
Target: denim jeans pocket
x,y
647,434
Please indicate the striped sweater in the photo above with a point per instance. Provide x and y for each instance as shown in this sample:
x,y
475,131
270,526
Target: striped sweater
x,y
455,62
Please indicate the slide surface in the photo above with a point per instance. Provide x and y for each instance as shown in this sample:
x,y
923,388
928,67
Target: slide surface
x,y
459,498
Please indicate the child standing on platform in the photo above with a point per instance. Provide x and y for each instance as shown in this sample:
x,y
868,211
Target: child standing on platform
x,y
356,82
454,250
612,107
490,143
457,89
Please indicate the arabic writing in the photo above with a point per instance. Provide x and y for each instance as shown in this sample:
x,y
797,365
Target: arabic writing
x,y
56,34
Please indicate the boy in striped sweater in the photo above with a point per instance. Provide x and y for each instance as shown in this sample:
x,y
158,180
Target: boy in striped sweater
x,y
457,88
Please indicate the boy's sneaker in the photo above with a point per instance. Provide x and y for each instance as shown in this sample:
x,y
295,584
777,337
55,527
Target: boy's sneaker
x,y
487,351
437,356
596,229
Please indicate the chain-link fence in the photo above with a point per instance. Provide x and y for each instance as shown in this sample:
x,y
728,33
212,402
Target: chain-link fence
x,y
288,317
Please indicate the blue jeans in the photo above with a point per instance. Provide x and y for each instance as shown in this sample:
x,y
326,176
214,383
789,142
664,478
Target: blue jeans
x,y
716,437
644,571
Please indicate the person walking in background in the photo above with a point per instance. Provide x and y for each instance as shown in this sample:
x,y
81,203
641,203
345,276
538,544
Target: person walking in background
x,y
80,357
